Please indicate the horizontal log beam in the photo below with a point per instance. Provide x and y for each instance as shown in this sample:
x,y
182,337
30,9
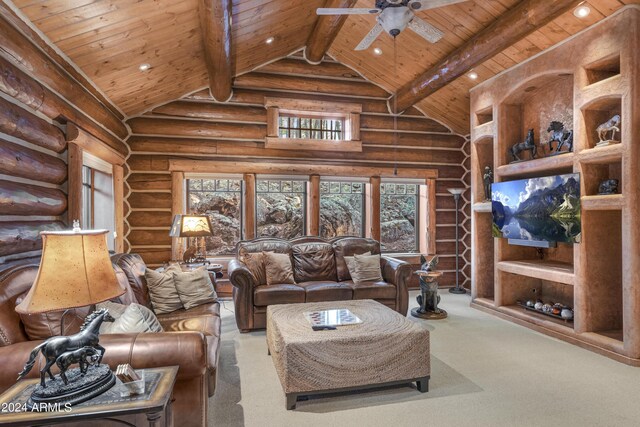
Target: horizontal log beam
x,y
149,181
401,123
255,80
325,31
412,139
196,128
24,236
24,162
15,46
25,199
149,219
153,256
215,26
20,123
149,237
93,145
211,111
139,200
298,67
17,84
295,168
512,26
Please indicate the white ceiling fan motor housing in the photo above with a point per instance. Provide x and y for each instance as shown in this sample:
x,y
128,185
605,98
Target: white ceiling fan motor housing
x,y
395,19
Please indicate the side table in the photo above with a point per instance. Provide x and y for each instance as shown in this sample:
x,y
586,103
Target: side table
x,y
155,402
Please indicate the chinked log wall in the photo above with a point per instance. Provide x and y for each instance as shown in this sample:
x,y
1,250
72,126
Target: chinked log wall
x,y
37,97
198,128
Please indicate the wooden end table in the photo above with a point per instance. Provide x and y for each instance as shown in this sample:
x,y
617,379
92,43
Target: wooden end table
x,y
155,402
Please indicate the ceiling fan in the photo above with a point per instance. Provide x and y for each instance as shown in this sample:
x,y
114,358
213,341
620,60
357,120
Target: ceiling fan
x,y
393,17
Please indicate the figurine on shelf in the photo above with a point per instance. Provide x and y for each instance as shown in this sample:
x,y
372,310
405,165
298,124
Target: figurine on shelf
x,y
560,135
608,186
528,145
611,125
488,180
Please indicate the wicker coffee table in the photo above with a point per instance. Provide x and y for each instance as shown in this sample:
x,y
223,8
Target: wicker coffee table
x,y
385,349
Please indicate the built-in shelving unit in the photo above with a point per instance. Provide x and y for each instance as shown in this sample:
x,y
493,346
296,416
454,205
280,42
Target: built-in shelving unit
x,y
581,82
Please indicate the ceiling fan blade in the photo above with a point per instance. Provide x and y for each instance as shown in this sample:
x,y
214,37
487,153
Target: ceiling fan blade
x,y
345,11
370,37
425,30
431,4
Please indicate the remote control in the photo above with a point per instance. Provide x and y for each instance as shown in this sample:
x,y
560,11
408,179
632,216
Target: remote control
x,y
323,328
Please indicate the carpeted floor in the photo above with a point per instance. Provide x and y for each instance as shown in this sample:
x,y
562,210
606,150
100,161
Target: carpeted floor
x,y
485,372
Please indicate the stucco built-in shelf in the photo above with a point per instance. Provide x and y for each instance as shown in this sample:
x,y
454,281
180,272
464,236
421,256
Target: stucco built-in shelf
x,y
535,167
482,207
538,318
606,202
609,153
611,86
540,269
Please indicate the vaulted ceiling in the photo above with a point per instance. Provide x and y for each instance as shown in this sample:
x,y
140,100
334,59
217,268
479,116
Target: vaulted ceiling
x,y
109,39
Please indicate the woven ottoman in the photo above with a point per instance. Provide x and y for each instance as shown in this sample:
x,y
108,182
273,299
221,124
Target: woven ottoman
x,y
385,349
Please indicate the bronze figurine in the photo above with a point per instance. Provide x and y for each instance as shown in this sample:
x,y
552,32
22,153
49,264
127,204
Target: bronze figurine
x,y
611,125
488,180
608,186
528,145
560,135
83,356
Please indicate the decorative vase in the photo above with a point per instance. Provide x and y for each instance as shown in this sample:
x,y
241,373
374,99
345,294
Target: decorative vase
x,y
566,313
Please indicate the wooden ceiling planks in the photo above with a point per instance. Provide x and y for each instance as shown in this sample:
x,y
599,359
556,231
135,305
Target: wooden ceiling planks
x,y
108,39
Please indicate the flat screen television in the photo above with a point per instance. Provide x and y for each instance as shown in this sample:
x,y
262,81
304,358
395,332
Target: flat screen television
x,y
537,211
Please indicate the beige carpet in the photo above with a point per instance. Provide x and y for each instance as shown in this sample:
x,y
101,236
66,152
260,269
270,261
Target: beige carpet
x,y
485,372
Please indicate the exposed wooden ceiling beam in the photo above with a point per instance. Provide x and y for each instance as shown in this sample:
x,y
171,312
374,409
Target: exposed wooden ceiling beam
x,y
520,21
215,24
325,31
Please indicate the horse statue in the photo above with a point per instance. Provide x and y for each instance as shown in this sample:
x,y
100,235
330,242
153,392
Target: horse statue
x,y
84,357
610,125
430,295
527,145
560,135
54,347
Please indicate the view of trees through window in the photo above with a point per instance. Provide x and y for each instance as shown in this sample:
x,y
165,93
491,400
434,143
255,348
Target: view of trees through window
x,y
399,217
281,208
341,209
311,127
221,199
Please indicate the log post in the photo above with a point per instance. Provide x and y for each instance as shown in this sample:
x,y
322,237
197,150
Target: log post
x,y
118,200
518,22
431,216
325,31
215,25
74,184
314,205
93,145
375,207
177,208
249,222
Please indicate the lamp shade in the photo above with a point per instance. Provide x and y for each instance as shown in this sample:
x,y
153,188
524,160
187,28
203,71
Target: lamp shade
x,y
191,226
75,271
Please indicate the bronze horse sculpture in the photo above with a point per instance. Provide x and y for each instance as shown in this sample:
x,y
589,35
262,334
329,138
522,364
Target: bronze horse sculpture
x,y
527,145
54,347
610,125
560,135
78,356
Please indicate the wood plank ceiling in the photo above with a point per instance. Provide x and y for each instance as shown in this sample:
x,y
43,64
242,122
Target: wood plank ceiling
x,y
109,39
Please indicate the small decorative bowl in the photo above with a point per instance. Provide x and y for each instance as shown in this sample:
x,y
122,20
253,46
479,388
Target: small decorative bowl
x,y
566,313
134,387
538,305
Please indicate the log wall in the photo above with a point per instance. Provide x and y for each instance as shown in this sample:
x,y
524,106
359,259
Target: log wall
x,y
39,101
198,128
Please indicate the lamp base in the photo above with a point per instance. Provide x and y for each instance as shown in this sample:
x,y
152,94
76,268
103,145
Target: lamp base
x,y
96,381
457,290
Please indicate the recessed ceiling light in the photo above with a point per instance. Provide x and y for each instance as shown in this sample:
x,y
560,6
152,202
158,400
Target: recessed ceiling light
x,y
582,11
269,40
377,51
473,75
144,67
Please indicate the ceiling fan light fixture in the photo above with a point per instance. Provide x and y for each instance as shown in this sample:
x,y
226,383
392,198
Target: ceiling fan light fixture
x,y
377,51
270,40
582,11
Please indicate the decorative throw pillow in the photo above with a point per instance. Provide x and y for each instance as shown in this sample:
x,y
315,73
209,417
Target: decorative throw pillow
x,y
41,326
367,269
351,263
255,263
278,268
194,287
129,318
162,291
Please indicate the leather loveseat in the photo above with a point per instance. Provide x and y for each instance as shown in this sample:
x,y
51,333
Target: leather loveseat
x,y
191,339
320,273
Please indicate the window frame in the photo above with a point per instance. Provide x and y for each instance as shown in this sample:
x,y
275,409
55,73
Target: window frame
x,y
365,201
305,198
417,222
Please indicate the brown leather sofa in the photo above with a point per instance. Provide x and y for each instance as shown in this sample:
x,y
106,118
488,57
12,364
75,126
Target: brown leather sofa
x,y
321,274
191,339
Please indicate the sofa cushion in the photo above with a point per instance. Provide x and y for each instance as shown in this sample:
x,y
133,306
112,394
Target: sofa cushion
x,y
255,263
266,244
349,246
372,290
366,268
322,290
278,294
134,268
313,261
128,297
46,325
162,291
208,325
278,268
194,287
129,318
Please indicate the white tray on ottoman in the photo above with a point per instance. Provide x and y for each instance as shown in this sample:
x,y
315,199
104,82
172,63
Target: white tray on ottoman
x,y
386,348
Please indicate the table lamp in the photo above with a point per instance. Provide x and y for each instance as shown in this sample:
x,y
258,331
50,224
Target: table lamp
x,y
75,271
193,226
